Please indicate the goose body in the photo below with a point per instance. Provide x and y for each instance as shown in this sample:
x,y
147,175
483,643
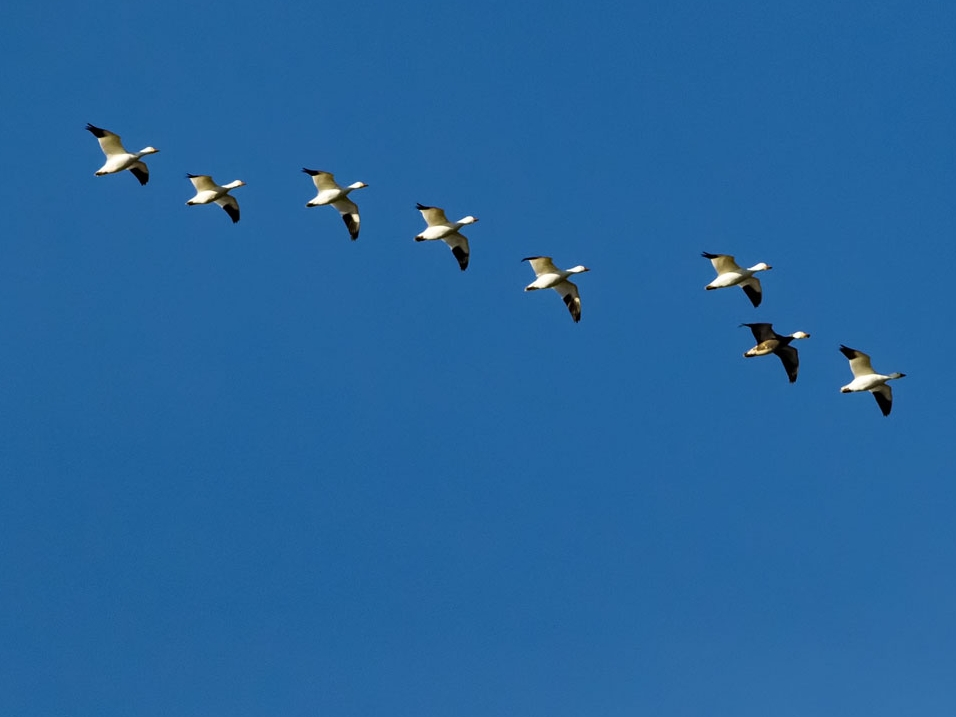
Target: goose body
x,y
207,191
440,228
548,276
329,192
730,274
770,342
117,158
866,379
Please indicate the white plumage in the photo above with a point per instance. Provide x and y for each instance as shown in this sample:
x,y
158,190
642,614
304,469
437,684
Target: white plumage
x,y
548,276
730,274
208,191
117,158
329,192
866,379
440,228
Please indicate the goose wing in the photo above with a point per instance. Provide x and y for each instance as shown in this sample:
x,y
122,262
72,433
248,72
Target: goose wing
x,y
542,265
322,180
762,332
569,292
229,203
884,398
140,171
790,360
434,216
722,262
202,182
752,289
109,142
350,215
859,362
459,247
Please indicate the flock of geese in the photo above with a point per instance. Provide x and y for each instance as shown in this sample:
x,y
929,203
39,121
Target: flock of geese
x,y
729,273
547,275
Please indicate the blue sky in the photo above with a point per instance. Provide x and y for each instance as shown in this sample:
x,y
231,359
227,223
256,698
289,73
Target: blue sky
x,y
259,469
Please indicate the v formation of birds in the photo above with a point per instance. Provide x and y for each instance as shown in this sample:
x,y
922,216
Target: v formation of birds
x,y
547,275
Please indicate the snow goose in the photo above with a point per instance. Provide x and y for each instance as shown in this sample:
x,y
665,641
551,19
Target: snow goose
x,y
440,228
729,274
332,193
117,158
208,191
548,276
770,342
866,379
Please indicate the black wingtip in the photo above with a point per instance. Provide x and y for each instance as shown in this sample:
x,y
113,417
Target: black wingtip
x,y
573,307
191,176
461,256
352,226
142,176
752,294
98,132
529,258
311,172
421,207
708,255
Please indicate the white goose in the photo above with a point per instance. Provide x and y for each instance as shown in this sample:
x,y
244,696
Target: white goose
x,y
548,276
729,274
117,158
332,193
770,342
440,228
208,191
866,379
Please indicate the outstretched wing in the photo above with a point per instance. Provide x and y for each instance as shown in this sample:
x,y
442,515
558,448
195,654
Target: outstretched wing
x,y
722,262
350,215
202,182
229,203
762,332
569,292
884,398
109,142
790,360
459,247
322,180
752,289
542,265
140,171
433,215
859,362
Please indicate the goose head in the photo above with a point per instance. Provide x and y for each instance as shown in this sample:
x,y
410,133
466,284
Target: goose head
x,y
233,185
147,150
357,185
762,266
800,335
468,220
578,269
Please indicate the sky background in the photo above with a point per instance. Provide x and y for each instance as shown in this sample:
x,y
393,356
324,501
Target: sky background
x,y
259,469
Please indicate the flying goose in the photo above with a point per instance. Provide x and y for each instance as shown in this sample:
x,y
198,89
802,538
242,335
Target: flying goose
x,y
729,274
440,228
117,158
548,276
332,193
208,191
866,379
770,342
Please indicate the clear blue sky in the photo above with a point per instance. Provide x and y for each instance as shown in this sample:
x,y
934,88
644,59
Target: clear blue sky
x,y
263,470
